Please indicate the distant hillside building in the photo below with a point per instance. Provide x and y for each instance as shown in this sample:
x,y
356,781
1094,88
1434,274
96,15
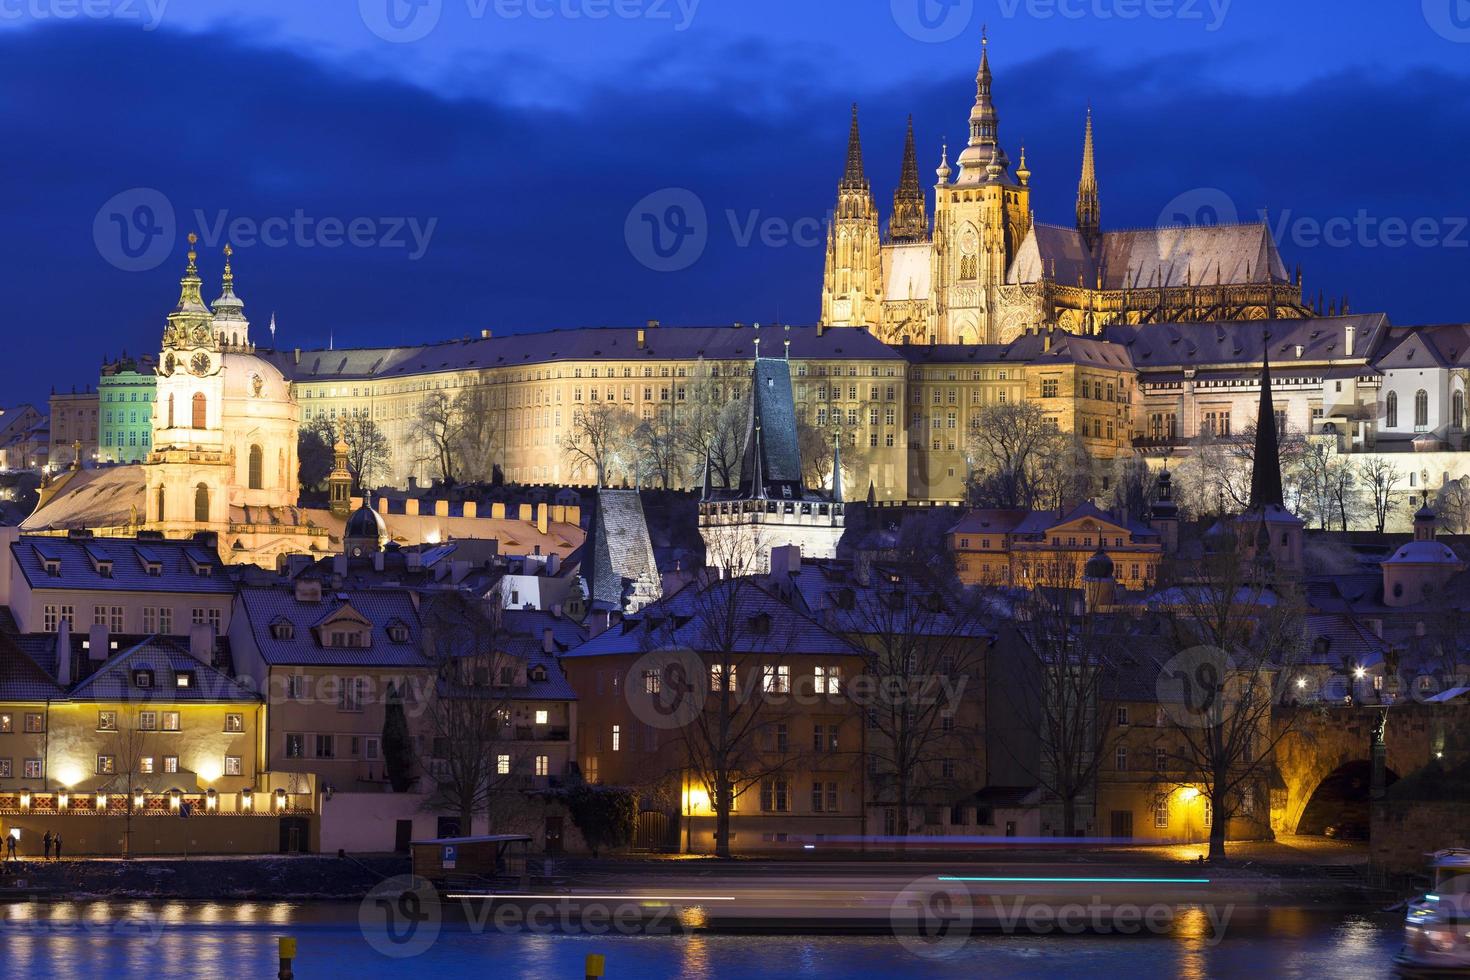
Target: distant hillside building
x,y
125,393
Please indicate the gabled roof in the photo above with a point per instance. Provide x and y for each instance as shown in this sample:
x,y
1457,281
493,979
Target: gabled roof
x,y
113,680
183,566
1240,344
265,605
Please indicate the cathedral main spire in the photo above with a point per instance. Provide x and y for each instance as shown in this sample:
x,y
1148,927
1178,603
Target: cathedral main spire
x,y
910,221
984,142
1089,211
189,323
854,178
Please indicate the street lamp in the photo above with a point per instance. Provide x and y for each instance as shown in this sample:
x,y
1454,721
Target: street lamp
x,y
246,797
1360,673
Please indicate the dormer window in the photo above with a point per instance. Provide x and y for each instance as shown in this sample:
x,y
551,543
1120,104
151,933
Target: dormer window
x,y
52,568
398,632
283,630
537,673
143,679
154,569
184,680
104,569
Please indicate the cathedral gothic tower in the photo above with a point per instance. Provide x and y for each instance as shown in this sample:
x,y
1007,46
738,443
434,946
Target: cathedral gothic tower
x,y
1089,212
852,282
910,220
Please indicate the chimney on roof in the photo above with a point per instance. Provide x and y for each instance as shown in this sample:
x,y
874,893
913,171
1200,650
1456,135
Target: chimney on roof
x,y
652,324
553,564
642,338
485,335
821,329
548,640
1351,333
201,643
296,355
63,652
99,643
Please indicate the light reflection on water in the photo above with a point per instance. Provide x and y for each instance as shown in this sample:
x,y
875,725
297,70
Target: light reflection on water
x,y
223,939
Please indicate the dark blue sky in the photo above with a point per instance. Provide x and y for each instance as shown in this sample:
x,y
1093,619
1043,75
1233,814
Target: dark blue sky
x,y
485,175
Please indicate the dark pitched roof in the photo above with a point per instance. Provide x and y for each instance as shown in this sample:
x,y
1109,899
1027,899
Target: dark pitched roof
x,y
120,565
1240,345
114,680
21,678
264,606
1145,258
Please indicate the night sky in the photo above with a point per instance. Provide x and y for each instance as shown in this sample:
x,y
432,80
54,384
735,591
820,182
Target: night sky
x,y
489,174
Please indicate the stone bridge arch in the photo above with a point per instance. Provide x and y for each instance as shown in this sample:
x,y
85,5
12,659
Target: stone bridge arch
x,y
1327,741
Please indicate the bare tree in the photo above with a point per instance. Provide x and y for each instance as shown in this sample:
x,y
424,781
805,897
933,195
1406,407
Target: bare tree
x,y
596,439
368,450
314,444
1134,487
469,713
434,431
1452,504
1327,485
129,745
475,437
713,424
658,456
817,445
923,647
1019,459
1060,696
1234,633
739,636
1381,479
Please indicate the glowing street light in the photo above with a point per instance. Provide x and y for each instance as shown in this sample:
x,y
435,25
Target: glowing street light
x,y
1360,673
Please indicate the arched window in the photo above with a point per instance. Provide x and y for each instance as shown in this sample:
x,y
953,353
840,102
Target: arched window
x,y
201,504
1421,410
160,503
199,413
257,465
170,412
1391,413
1457,410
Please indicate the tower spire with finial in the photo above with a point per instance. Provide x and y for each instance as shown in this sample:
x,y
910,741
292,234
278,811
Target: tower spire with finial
x,y
1089,211
984,142
854,177
1266,467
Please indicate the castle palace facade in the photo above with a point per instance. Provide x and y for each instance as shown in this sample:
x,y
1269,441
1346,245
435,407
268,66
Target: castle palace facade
x,y
985,271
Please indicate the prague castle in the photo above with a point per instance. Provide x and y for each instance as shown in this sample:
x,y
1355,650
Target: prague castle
x,y
1129,340
986,272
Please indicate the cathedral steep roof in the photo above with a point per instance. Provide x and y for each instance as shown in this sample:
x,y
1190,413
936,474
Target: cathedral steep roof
x,y
622,550
1147,258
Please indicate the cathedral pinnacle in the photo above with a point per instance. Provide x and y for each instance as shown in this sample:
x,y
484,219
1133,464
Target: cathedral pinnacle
x,y
909,222
1089,211
1022,173
1266,466
984,143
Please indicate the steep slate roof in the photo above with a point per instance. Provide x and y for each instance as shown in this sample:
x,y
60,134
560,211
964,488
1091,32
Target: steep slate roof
x,y
180,564
676,622
1445,345
771,431
381,607
1149,257
586,343
1240,343
622,550
113,680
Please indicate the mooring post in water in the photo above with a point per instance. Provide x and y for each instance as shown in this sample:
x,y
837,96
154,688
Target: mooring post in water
x,y
288,953
595,966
